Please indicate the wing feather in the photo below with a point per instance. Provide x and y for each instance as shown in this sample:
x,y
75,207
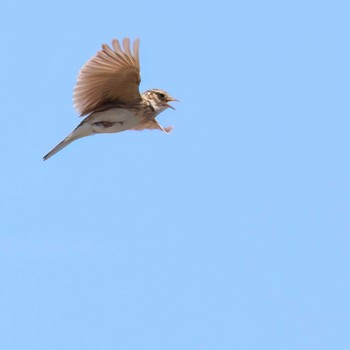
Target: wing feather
x,y
111,76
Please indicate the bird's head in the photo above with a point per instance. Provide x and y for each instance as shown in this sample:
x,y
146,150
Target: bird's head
x,y
159,99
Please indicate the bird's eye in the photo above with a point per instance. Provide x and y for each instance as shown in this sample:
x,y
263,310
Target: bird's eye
x,y
161,96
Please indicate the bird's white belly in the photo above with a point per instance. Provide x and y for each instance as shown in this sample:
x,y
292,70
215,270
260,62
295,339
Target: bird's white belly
x,y
121,119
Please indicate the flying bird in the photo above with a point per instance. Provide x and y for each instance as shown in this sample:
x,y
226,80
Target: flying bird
x,y
107,95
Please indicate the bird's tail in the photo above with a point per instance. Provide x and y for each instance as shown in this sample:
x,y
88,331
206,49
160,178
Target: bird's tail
x,y
82,130
69,139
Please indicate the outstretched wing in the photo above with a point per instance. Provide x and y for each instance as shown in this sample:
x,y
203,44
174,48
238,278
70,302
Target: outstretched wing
x,y
153,124
111,77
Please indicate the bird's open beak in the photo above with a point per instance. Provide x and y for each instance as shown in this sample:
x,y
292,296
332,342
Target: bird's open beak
x,y
170,99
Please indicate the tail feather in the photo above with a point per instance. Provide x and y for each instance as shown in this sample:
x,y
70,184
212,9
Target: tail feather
x,y
82,130
60,146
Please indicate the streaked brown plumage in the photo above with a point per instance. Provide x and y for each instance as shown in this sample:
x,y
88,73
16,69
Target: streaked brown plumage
x,y
107,93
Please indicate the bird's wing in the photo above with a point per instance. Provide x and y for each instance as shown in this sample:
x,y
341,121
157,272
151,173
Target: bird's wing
x,y
153,124
112,76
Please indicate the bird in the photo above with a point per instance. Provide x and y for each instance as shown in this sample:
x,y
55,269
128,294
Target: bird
x,y
107,95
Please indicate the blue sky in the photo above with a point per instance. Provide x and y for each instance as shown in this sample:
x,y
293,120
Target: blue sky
x,y
230,233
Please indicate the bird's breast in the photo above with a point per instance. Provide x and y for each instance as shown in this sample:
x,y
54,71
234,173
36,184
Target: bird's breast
x,y
114,120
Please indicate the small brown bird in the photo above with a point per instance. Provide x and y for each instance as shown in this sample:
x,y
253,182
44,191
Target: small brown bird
x,y
107,93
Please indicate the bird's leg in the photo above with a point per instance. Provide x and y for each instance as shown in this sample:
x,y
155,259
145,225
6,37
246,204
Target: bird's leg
x,y
106,124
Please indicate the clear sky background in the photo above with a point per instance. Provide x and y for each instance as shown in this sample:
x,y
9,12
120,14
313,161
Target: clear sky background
x,y
230,233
